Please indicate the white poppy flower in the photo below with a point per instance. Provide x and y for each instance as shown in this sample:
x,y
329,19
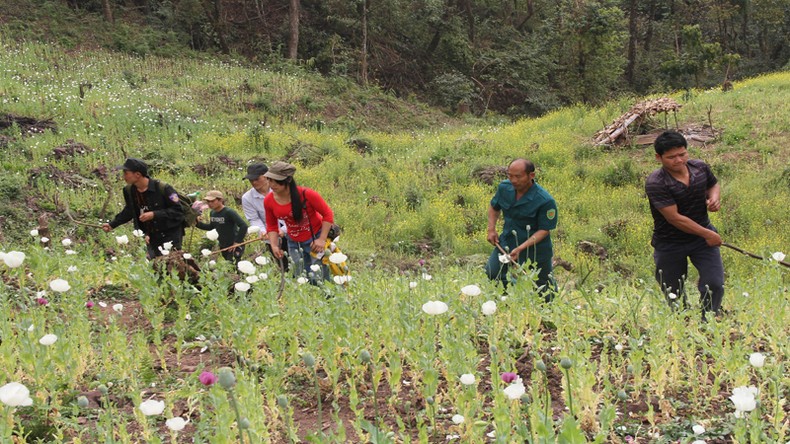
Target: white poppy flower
x,y
468,379
261,260
138,233
504,258
263,276
698,429
187,256
489,308
427,276
118,308
744,399
72,269
618,347
69,252
31,328
176,424
48,339
59,285
699,441
337,258
471,290
44,239
66,242
164,251
102,304
152,407
778,256
15,394
122,240
757,359
458,419
212,234
205,252
251,279
246,267
673,296
13,259
167,246
252,229
241,287
315,268
340,280
301,280
34,232
212,263
412,284
434,307
515,390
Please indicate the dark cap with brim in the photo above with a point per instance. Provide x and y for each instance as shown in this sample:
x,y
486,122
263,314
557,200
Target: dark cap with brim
x,y
280,171
256,170
136,166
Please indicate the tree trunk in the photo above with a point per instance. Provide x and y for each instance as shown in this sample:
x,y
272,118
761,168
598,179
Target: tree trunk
x,y
649,32
107,12
293,39
363,64
630,68
466,6
214,13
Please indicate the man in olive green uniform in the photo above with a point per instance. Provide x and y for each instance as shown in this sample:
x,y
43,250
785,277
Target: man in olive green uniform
x,y
530,213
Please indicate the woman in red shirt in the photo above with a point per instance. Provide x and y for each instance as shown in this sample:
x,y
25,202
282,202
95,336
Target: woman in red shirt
x,y
307,218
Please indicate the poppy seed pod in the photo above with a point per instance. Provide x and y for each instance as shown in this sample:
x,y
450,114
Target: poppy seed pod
x,y
226,378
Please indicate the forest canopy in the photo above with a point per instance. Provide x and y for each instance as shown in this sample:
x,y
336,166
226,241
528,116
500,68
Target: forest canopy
x,y
519,57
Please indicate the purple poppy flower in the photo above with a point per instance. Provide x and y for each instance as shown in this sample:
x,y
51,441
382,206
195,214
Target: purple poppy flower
x,y
207,378
42,301
509,377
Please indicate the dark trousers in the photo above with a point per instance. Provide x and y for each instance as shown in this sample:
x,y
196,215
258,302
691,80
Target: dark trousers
x,y
157,239
546,285
672,269
234,256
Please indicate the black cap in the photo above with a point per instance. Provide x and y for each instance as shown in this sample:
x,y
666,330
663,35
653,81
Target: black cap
x,y
256,170
136,166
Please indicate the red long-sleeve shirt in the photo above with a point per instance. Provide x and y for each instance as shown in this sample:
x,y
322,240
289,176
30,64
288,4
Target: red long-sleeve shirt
x,y
315,211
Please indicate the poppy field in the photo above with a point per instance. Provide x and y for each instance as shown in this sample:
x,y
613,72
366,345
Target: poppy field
x,y
98,345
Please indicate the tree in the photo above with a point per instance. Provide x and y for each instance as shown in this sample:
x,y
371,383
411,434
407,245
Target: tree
x,y
293,36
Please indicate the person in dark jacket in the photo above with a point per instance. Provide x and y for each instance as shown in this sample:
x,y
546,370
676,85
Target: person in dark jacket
x,y
230,227
153,207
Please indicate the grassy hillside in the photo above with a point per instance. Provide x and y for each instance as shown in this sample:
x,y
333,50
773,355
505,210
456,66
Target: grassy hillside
x,y
639,370
199,123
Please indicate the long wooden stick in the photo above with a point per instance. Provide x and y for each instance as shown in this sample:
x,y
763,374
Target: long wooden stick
x,y
510,259
236,245
752,255
71,218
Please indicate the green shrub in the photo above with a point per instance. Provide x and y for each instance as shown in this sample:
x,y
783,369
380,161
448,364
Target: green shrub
x,y
621,174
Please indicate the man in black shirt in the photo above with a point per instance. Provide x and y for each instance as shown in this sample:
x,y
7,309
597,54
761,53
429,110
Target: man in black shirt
x,y
681,193
154,208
